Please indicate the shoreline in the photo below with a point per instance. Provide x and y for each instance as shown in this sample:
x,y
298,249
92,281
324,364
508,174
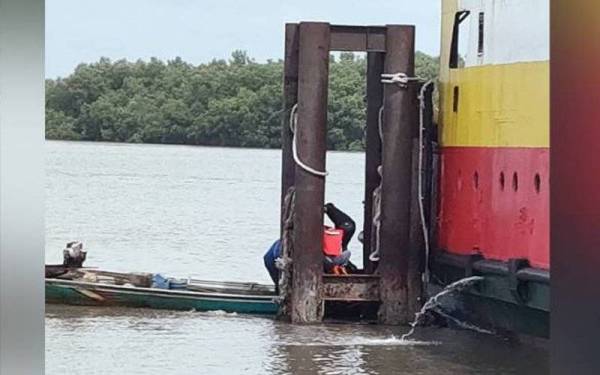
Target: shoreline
x,y
183,144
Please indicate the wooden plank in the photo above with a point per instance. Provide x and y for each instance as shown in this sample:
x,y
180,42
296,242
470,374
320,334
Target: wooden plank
x,y
311,134
90,294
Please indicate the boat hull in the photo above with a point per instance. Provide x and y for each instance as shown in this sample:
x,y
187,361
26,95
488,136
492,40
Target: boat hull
x,y
509,300
96,294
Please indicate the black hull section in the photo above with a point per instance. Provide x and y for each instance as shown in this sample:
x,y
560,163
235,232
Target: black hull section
x,y
513,299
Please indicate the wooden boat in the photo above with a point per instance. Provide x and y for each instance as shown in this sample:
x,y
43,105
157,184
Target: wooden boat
x,y
91,287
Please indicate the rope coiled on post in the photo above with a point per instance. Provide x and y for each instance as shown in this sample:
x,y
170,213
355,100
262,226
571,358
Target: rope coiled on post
x,y
402,79
376,220
380,124
374,256
300,163
284,262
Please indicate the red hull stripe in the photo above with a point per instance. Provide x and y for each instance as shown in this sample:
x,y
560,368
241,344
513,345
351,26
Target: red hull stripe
x,y
495,201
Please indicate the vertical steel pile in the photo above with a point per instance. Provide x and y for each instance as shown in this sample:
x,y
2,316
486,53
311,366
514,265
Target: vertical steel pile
x,y
375,61
399,131
290,98
389,49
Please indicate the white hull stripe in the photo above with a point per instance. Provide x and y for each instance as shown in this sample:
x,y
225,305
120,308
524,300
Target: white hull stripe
x,y
515,31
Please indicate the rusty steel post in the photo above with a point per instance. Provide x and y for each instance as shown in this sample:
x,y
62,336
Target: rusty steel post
x,y
290,98
373,147
311,133
399,115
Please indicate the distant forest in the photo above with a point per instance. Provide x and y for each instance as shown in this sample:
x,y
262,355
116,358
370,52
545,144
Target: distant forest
x,y
222,103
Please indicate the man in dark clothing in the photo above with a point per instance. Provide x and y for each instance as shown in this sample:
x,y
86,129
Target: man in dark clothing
x,y
341,221
335,264
344,222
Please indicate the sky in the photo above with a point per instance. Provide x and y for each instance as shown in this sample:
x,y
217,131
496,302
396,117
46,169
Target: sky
x,y
200,30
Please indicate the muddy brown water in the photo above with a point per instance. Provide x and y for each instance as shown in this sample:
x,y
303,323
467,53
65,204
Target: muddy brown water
x,y
211,213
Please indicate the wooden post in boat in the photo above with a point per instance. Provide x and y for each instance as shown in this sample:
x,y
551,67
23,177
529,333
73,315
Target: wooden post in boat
x,y
290,98
396,186
311,135
375,62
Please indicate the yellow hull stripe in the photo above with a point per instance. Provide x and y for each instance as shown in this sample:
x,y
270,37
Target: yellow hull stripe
x,y
498,106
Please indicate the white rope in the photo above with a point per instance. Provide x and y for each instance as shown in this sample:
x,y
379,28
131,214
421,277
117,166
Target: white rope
x,y
400,78
374,256
403,79
380,124
293,121
420,178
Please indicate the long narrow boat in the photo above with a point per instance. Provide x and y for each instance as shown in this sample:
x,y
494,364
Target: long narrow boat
x,y
119,289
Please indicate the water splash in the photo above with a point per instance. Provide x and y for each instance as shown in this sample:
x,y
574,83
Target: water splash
x,y
395,341
365,341
462,324
433,303
216,313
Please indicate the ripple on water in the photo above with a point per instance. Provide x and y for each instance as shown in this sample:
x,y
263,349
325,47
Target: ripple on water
x,y
366,341
166,209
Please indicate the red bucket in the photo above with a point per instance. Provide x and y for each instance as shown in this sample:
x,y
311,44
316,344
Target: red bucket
x,y
332,241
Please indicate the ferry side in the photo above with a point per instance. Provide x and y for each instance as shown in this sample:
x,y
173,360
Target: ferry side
x,y
493,123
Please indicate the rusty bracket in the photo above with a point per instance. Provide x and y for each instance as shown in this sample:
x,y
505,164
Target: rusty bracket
x,y
351,288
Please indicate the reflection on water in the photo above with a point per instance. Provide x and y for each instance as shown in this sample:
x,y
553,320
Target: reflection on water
x,y
142,341
212,212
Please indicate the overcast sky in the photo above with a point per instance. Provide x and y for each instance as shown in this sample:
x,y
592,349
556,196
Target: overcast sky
x,y
200,30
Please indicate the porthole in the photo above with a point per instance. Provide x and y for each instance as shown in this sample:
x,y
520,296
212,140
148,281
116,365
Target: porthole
x,y
537,183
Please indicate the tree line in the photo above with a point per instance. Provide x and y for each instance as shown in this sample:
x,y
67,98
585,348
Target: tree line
x,y
222,103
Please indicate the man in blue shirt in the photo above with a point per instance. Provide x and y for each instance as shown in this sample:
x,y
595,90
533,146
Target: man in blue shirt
x,y
271,255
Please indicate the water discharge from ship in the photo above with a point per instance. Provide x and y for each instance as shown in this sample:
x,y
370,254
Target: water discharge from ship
x,y
433,303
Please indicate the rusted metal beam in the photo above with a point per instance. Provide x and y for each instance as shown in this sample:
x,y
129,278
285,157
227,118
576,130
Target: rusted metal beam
x,y
399,116
352,288
311,134
290,98
358,38
375,62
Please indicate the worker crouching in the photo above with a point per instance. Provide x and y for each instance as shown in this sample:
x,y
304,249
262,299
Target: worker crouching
x,y
335,245
336,239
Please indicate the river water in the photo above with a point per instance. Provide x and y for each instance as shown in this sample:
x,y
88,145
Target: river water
x,y
211,213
